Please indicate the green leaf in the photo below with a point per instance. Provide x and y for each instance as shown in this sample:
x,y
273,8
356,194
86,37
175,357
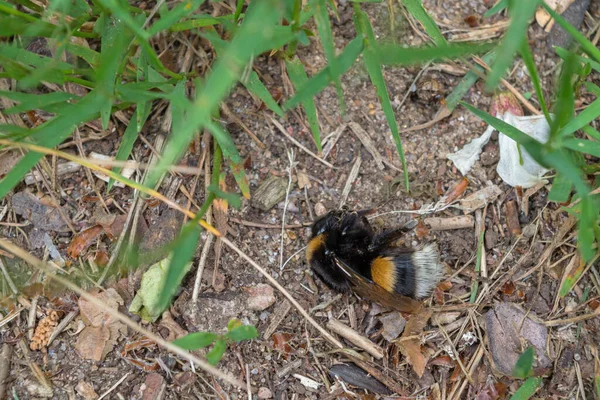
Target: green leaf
x,y
216,353
467,82
376,74
571,279
415,7
561,189
583,146
564,107
527,389
597,384
244,332
200,21
588,115
524,364
234,323
592,88
520,14
564,54
499,6
196,340
326,37
535,78
174,15
257,88
321,80
256,32
395,54
184,249
298,77
124,17
588,47
231,198
30,101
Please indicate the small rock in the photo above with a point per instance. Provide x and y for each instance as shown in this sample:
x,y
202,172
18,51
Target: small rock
x,y
154,387
393,325
508,326
264,393
261,297
320,209
86,390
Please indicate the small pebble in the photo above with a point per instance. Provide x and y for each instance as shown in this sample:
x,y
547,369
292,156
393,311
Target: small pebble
x,y
264,393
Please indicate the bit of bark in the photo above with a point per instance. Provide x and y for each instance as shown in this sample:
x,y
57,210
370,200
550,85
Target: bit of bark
x,y
444,224
269,193
512,218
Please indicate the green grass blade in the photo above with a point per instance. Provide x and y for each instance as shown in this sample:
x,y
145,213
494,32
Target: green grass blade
x,y
30,101
298,77
564,54
256,32
583,146
257,88
591,132
499,6
588,47
561,189
114,45
467,82
363,26
175,15
527,389
592,88
395,54
201,21
125,18
326,37
415,8
51,134
564,108
588,115
321,80
535,78
524,364
520,14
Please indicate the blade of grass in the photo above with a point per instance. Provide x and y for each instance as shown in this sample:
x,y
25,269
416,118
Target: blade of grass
x,y
30,101
564,53
564,107
174,15
561,189
363,26
588,115
395,54
524,364
520,14
415,8
467,82
499,6
255,33
475,286
326,37
588,47
527,389
298,77
535,78
321,80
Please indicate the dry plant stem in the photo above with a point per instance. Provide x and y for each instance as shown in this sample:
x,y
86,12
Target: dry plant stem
x,y
268,226
113,387
278,286
145,190
310,153
290,170
355,338
351,178
87,171
474,363
510,88
566,321
25,256
444,224
31,317
462,367
5,358
10,282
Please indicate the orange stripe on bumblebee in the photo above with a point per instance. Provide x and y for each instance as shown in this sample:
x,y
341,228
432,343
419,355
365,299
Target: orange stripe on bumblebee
x,y
314,245
383,273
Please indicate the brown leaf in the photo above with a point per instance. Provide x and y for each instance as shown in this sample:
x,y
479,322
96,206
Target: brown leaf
x,y
95,316
457,190
411,348
91,342
421,230
508,288
83,240
101,258
281,342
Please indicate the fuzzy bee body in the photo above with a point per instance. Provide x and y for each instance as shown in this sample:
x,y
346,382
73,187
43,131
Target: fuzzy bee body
x,y
347,255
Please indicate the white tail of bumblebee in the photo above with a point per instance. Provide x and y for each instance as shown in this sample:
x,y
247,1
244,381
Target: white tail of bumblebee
x,y
428,270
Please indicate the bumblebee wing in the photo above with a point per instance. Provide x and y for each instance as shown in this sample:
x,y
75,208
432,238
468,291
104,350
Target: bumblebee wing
x,y
370,290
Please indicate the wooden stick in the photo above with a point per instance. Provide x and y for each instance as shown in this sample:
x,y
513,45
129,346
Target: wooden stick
x,y
444,224
355,338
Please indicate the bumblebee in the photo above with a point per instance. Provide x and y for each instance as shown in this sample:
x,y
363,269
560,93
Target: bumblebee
x,y
347,255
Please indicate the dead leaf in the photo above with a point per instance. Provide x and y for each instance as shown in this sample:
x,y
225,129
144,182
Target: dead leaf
x,y
411,348
457,190
91,342
86,390
281,342
42,215
480,198
94,316
83,240
303,181
393,325
126,171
